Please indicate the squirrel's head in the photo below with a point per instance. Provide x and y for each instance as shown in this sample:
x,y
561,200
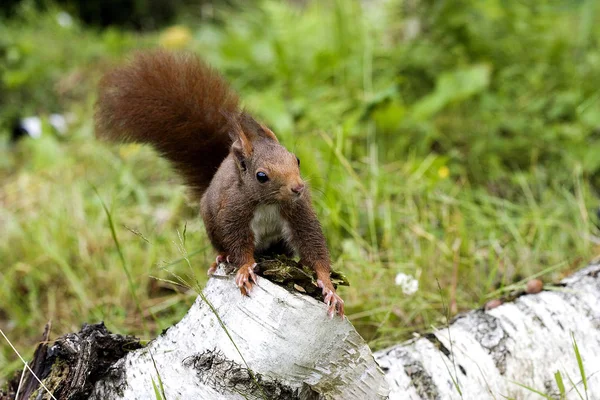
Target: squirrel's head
x,y
266,168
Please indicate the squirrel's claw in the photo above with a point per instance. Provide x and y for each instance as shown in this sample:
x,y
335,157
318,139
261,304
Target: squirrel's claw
x,y
213,267
244,278
333,301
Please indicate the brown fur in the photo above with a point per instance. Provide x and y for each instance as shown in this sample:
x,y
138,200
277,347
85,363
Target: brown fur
x,y
187,112
176,103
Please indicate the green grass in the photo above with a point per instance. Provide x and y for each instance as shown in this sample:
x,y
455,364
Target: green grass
x,y
467,156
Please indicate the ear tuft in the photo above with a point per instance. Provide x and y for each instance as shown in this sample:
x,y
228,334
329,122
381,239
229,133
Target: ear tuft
x,y
268,133
241,154
241,146
245,144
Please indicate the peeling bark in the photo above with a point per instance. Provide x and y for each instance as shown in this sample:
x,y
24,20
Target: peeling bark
x,y
487,354
73,364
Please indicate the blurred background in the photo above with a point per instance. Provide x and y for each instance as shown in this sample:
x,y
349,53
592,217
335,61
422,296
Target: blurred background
x,y
453,148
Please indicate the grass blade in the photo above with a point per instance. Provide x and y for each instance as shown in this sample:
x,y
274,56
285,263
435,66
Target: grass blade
x,y
27,366
580,364
560,384
532,390
447,315
575,387
159,394
132,287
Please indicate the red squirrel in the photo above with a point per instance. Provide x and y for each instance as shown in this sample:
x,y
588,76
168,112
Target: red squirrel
x,y
252,198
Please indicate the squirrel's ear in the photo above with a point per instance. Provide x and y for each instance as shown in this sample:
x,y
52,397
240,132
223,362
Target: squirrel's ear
x,y
268,133
254,129
241,147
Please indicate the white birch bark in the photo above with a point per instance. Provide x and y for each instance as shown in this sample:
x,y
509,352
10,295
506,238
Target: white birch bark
x,y
487,354
286,339
296,352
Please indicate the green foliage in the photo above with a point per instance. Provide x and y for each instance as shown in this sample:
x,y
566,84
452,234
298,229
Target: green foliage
x,y
49,60
452,87
495,86
456,142
543,93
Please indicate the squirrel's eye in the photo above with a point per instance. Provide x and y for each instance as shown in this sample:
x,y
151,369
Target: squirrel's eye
x,y
297,159
262,177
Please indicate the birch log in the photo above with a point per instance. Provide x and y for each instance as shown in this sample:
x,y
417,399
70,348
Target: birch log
x,y
286,339
286,348
494,354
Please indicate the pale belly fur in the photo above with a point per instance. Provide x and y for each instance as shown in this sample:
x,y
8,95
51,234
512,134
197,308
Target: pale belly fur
x,y
269,227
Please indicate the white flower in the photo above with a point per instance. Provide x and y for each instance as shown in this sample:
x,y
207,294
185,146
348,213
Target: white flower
x,y
408,283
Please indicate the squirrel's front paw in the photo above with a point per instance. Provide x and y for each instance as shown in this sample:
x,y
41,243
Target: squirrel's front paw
x,y
331,298
220,258
244,278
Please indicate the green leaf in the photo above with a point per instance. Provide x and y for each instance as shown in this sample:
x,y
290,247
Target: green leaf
x,y
453,87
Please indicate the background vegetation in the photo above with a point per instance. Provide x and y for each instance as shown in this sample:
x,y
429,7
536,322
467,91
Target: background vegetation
x,y
456,142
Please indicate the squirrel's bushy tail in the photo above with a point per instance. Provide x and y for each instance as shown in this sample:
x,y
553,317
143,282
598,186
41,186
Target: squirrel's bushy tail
x,y
174,102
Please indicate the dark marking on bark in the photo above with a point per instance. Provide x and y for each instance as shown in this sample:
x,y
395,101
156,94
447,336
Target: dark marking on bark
x,y
307,393
438,344
489,333
441,347
457,318
224,375
419,378
525,309
116,376
539,321
551,389
509,322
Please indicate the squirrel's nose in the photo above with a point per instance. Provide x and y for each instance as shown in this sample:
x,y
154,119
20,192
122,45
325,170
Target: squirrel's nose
x,y
298,188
